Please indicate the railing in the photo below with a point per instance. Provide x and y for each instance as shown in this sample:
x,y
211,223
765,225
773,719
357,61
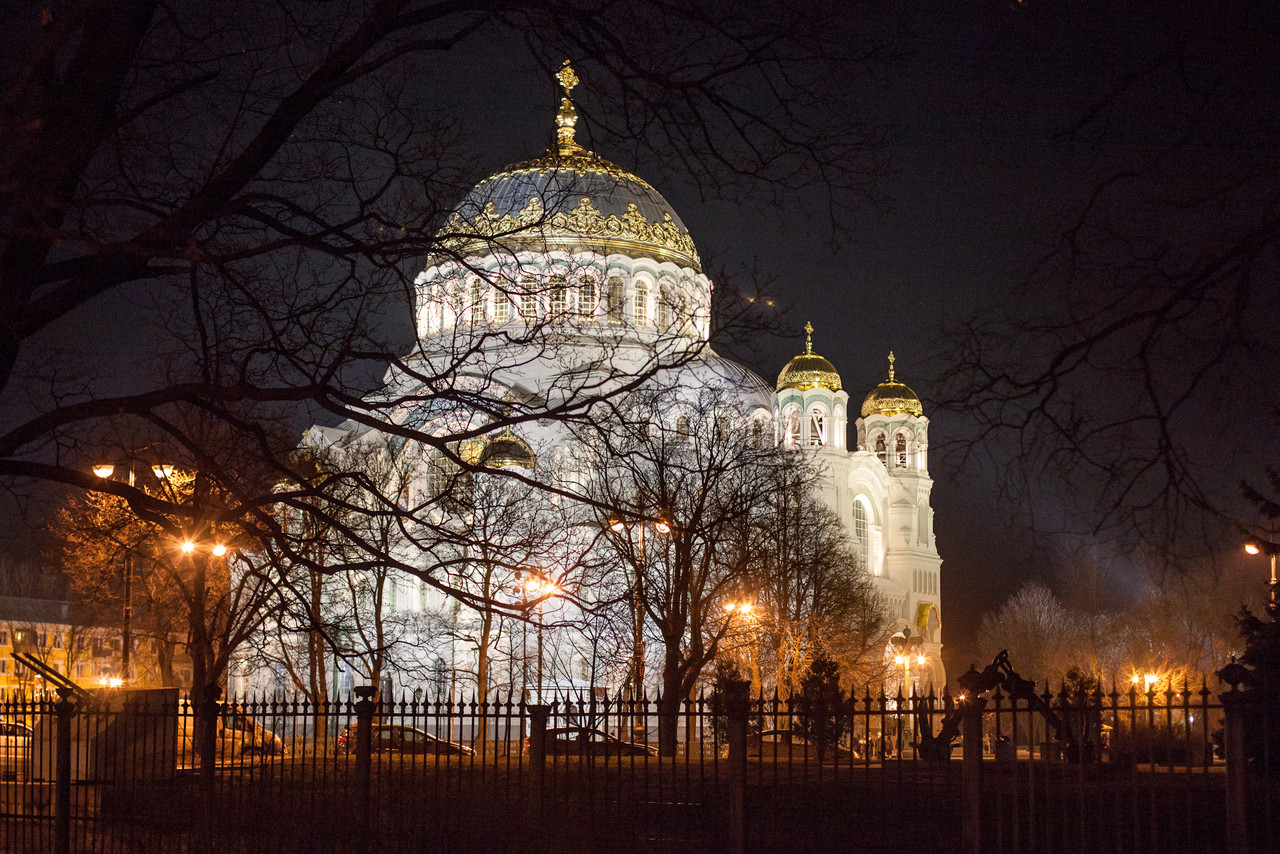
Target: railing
x,y
1116,772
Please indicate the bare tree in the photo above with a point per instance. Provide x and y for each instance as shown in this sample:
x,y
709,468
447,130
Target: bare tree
x,y
1152,309
813,597
246,187
689,458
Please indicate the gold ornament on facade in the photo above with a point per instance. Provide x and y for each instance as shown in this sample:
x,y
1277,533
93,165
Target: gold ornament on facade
x,y
584,225
809,370
892,398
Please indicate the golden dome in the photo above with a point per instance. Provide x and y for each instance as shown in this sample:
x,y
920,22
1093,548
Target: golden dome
x,y
891,398
809,370
507,449
570,198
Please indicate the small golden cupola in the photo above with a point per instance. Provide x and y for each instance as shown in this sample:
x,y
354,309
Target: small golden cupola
x,y
506,450
809,370
892,398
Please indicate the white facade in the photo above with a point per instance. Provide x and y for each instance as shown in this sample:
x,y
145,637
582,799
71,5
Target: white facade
x,y
567,273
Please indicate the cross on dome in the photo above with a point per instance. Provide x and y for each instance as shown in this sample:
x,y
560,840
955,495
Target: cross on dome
x,y
567,117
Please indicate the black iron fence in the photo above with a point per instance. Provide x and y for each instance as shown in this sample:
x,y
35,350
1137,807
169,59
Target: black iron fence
x,y
1129,771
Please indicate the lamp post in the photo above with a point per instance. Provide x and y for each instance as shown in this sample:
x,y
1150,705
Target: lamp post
x,y
1257,547
637,649
747,609
636,677
908,647
540,587
104,471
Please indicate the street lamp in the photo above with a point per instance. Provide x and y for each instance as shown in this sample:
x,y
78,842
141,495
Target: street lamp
x,y
1257,547
618,526
908,648
747,610
104,471
540,588
163,473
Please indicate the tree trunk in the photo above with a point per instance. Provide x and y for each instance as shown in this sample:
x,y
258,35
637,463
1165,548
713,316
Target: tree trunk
x,y
669,703
482,675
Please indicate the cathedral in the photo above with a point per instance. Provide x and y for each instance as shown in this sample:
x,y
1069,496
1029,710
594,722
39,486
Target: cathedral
x,y
595,260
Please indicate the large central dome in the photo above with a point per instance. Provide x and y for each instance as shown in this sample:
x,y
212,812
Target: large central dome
x,y
573,199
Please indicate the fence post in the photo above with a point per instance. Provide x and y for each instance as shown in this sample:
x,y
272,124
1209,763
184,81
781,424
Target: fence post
x,y
737,707
1233,751
538,715
65,709
971,777
365,707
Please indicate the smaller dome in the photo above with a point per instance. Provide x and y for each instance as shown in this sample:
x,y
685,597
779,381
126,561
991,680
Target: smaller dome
x,y
507,449
809,370
891,398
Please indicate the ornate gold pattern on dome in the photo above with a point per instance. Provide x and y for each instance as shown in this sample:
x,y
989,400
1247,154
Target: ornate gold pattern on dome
x,y
584,225
809,370
892,398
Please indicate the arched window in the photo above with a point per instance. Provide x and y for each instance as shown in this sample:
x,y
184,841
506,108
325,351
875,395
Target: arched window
x,y
881,451
528,299
501,306
791,424
860,531
664,306
617,300
682,429
447,484
900,451
475,303
587,297
640,304
559,297
757,433
816,425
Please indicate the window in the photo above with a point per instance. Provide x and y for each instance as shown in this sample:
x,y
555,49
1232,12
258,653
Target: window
x,y
501,307
640,306
816,423
682,429
422,596
617,300
587,297
860,531
881,451
791,426
559,295
664,306
900,451
391,594
528,299
476,303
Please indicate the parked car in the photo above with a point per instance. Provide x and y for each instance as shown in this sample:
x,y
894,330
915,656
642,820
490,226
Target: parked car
x,y
397,738
238,734
783,745
588,741
15,740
